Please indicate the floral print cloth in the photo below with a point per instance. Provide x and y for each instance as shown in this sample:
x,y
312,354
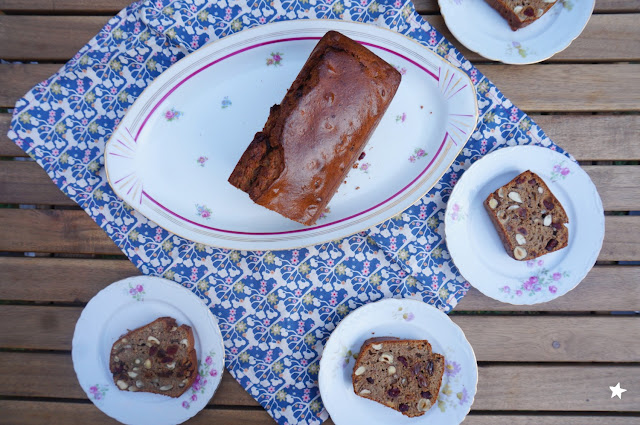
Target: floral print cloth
x,y
275,309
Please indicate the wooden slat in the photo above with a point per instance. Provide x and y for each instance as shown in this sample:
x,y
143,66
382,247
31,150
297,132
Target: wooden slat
x,y
64,413
58,38
587,137
27,183
73,231
54,413
78,280
562,88
65,231
494,338
52,375
500,387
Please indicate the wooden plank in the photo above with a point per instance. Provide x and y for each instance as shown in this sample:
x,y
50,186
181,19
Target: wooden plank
x,y
609,6
27,183
591,88
494,338
64,413
63,6
587,137
57,38
52,375
500,387
74,232
23,412
78,280
65,231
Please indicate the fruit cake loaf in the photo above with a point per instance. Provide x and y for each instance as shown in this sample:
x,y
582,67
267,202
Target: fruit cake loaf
x,y
159,358
310,141
401,374
528,217
520,13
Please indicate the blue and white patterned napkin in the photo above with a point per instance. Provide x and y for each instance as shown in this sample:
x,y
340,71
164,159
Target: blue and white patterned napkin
x,y
275,309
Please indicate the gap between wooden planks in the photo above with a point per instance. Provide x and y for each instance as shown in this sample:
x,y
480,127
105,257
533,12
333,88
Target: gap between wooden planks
x,y
533,88
493,338
500,387
24,412
74,232
67,280
606,38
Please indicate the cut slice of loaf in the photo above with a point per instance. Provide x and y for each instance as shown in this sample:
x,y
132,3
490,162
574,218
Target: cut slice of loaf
x,y
401,374
520,13
528,217
159,358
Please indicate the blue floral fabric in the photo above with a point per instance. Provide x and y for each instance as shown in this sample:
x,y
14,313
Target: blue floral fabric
x,y
275,309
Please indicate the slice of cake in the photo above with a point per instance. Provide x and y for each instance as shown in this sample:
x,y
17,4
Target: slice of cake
x,y
159,358
528,217
401,374
520,13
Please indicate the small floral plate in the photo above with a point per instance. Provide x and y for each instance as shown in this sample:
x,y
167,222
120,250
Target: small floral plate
x,y
405,319
477,251
129,304
481,29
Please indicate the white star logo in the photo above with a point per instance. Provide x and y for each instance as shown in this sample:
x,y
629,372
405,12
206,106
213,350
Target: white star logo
x,y
617,391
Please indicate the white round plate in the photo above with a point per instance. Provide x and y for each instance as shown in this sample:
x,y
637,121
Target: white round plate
x,y
405,319
480,28
129,304
173,152
477,251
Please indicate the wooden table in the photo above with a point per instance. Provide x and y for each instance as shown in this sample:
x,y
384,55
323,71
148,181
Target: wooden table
x,y
547,364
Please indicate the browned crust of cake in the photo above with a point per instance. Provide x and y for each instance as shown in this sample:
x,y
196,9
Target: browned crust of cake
x,y
529,215
296,163
516,22
171,362
412,388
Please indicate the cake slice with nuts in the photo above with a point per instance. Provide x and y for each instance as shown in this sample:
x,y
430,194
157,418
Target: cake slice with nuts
x,y
528,217
159,358
520,13
401,374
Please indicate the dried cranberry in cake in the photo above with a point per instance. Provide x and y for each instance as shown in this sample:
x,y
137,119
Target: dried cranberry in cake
x,y
159,358
404,375
528,217
520,13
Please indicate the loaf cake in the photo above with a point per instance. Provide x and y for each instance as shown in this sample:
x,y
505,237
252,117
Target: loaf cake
x,y
520,13
313,137
401,374
159,358
528,217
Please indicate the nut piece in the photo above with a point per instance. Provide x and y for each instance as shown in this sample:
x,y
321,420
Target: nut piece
x,y
185,342
173,329
171,366
376,346
386,358
539,13
153,339
137,361
122,385
124,340
133,389
518,9
519,253
520,239
515,196
391,370
147,364
132,374
501,190
493,203
365,392
359,371
139,384
513,207
424,405
116,359
166,387
540,189
547,220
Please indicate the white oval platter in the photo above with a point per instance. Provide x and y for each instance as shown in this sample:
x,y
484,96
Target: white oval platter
x,y
129,304
404,319
173,152
481,29
477,251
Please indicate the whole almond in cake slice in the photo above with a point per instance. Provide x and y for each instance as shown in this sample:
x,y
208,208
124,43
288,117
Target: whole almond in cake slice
x,y
528,217
159,358
401,374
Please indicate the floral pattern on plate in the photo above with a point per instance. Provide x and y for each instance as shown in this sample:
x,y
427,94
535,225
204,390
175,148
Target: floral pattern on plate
x,y
172,115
